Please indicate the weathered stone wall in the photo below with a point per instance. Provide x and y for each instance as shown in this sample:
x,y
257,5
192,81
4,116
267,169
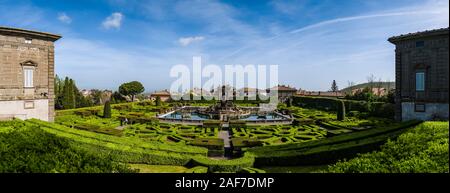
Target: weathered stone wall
x,y
431,58
432,111
14,51
20,109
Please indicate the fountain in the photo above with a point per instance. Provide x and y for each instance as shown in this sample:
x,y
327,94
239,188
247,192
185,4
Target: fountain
x,y
225,110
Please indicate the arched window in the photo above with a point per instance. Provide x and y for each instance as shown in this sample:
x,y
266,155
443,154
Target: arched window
x,y
28,73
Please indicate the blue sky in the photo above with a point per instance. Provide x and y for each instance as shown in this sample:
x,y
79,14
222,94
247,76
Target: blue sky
x,y
109,42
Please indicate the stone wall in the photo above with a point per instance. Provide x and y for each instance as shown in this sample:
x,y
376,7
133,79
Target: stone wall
x,y
431,58
25,109
14,51
432,111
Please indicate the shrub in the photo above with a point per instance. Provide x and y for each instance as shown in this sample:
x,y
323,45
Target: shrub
x,y
27,148
158,101
378,109
233,165
245,142
353,113
197,169
210,143
251,170
340,110
107,110
327,150
421,149
211,123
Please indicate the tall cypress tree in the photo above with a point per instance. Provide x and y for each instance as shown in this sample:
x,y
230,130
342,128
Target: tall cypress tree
x,y
158,101
59,92
71,96
65,94
107,110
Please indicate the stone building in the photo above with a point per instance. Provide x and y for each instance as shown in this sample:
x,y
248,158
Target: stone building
x,y
164,95
283,91
26,74
421,75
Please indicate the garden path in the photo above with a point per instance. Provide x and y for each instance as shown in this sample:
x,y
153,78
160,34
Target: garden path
x,y
225,135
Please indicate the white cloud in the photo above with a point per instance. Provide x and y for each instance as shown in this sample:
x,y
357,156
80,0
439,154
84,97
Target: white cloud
x,y
113,21
63,17
336,48
188,40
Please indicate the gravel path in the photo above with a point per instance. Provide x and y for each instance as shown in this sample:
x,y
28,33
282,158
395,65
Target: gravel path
x,y
225,135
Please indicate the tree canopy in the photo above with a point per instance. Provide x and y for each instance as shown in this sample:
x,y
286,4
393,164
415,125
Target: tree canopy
x,y
131,89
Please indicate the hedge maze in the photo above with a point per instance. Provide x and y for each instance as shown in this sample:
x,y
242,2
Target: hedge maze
x,y
277,134
134,135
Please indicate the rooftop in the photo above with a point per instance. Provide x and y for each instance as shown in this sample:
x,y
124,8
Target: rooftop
x,y
283,88
441,31
161,93
28,33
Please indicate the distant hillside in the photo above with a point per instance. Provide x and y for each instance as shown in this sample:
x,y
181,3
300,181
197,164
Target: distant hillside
x,y
385,85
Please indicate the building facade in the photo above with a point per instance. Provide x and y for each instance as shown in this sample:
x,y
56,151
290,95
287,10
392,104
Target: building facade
x,y
164,95
284,92
26,74
421,75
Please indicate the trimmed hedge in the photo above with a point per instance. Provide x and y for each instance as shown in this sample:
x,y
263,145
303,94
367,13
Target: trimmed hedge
x,y
327,150
197,169
422,149
98,129
27,149
218,165
210,143
108,139
212,123
378,109
251,170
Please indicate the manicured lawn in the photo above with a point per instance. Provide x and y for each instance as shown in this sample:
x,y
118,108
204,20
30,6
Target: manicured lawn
x,y
144,168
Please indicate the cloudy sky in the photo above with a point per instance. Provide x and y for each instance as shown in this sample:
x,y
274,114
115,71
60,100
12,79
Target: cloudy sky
x,y
109,42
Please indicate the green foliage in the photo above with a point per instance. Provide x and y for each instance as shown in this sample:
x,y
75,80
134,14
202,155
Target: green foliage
x,y
147,141
275,134
158,101
219,165
198,136
329,149
59,88
379,109
422,149
99,139
126,150
289,102
365,94
251,170
197,169
210,143
131,89
117,98
334,87
27,148
107,110
68,97
340,110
